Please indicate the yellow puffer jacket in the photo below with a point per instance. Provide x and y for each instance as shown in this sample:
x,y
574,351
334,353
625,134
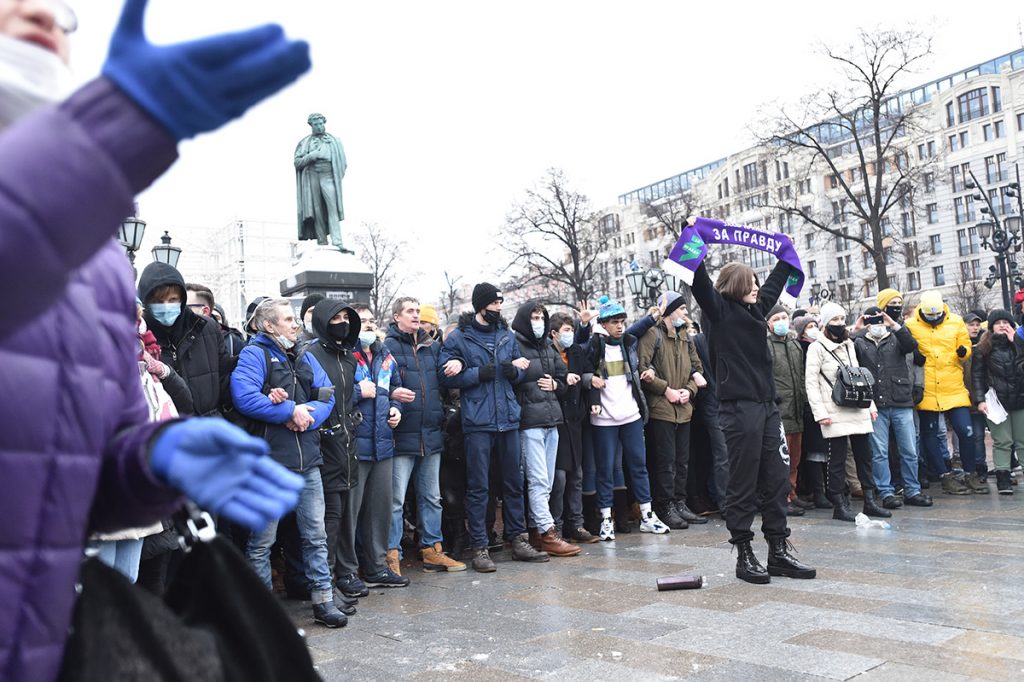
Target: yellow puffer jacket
x,y
944,386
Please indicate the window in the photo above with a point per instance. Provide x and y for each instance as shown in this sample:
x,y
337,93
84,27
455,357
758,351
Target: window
x,y
936,244
855,175
986,132
929,182
843,265
1000,128
939,275
963,209
933,213
725,186
967,242
910,254
913,281
804,187
812,270
781,170
630,238
972,105
954,143
784,193
833,181
907,224
1020,121
965,138
926,150
997,100
950,115
868,260
956,179
921,153
751,178
838,211
810,240
610,223
619,293
785,223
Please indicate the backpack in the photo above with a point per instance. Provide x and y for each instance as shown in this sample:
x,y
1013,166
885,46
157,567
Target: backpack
x,y
854,386
253,427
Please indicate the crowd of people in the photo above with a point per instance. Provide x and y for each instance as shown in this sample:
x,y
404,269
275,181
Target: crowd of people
x,y
410,436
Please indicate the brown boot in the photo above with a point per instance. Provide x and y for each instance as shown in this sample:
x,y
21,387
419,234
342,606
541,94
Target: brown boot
x,y
553,544
394,563
436,561
535,540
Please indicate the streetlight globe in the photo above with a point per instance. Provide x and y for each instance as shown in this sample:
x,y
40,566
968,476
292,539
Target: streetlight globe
x,y
1012,223
984,229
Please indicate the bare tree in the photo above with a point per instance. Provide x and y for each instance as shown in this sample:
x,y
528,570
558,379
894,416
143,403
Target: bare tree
x,y
450,298
968,294
552,239
671,212
863,119
383,255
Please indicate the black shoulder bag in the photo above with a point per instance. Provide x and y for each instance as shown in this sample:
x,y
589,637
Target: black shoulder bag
x,y
854,386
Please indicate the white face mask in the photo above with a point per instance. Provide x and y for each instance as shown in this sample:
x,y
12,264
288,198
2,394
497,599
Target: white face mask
x,y
538,329
30,77
877,330
284,341
812,334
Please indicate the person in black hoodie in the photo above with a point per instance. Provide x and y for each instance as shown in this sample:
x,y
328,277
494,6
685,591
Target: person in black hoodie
x,y
337,333
733,312
190,343
538,395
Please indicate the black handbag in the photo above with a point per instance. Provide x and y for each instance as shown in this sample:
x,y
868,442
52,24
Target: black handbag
x,y
217,621
854,386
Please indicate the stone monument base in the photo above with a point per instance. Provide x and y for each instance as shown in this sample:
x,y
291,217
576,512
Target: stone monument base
x,y
327,271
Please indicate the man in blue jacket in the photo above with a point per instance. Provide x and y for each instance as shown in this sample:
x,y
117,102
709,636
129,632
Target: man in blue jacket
x,y
292,397
492,364
418,440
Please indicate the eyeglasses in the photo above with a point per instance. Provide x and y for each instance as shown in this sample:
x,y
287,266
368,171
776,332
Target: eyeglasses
x,y
63,15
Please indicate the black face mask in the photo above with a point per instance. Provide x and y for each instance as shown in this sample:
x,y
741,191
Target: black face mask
x,y
837,332
895,312
339,331
492,316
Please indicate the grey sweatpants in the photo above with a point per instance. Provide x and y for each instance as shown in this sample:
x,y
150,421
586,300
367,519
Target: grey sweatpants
x,y
374,521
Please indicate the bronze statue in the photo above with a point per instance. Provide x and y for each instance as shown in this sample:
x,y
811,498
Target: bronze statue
x,y
319,168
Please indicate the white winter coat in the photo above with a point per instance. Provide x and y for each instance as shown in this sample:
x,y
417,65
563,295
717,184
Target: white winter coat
x,y
846,421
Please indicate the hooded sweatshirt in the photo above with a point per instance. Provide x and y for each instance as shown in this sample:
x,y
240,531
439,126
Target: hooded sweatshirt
x,y
193,345
541,409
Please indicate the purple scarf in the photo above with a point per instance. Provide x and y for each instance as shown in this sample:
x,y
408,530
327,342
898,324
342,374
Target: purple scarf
x,y
692,247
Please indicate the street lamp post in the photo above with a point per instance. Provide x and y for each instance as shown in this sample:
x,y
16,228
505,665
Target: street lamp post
x,y
998,237
165,253
130,234
646,285
822,293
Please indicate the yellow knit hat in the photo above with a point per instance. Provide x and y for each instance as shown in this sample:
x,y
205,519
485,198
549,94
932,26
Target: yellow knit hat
x,y
931,303
429,314
886,295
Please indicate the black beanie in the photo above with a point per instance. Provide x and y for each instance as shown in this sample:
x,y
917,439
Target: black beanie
x,y
485,294
997,315
308,303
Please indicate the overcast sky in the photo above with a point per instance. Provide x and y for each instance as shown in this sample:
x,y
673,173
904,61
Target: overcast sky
x,y
448,110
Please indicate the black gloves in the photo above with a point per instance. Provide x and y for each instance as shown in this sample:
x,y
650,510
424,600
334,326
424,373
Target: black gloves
x,y
487,373
961,351
509,370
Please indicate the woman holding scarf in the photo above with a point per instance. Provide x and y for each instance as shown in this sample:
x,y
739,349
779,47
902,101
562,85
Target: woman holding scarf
x,y
734,310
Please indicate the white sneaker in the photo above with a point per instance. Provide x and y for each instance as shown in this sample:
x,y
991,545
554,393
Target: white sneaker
x,y
652,524
607,529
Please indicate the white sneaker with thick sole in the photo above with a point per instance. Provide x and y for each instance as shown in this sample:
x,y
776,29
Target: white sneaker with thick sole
x,y
607,529
650,523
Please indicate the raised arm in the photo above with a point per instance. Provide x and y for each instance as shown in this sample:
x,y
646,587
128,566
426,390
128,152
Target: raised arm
x,y
710,301
773,286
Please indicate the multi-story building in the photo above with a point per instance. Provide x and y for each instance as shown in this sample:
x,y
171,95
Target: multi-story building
x,y
968,122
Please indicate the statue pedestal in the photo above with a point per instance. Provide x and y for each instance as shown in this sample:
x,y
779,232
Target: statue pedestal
x,y
326,270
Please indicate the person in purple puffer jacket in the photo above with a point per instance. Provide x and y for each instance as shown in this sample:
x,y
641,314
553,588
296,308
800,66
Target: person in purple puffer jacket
x,y
78,454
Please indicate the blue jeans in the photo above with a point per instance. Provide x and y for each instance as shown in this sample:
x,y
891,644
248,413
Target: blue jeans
x,y
309,514
634,457
428,498
590,464
932,447
540,448
900,421
479,446
121,555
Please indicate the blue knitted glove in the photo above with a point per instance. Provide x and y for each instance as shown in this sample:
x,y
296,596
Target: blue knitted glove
x,y
225,471
198,86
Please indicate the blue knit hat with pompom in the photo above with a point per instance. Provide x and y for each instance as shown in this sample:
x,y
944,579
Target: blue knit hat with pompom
x,y
609,309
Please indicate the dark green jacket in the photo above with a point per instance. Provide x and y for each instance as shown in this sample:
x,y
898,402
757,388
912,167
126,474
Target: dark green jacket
x,y
788,367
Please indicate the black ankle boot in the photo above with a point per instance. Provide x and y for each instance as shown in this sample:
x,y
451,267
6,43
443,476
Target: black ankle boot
x,y
871,507
591,514
782,563
841,510
748,568
621,508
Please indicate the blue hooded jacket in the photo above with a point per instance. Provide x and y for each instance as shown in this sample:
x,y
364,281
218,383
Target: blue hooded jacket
x,y
375,440
419,432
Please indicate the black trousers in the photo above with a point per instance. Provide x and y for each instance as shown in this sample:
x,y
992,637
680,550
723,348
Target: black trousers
x,y
668,460
707,412
758,469
836,470
340,512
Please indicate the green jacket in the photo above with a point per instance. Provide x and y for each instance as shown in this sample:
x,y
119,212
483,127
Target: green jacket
x,y
674,359
788,365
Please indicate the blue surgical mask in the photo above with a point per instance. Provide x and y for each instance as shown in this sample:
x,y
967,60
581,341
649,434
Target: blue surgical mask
x,y
284,341
366,339
165,313
565,339
678,323
538,329
781,328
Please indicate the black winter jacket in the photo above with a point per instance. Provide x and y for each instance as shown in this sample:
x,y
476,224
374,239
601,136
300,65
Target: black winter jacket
x,y
193,345
1000,369
540,409
340,470
887,362
419,432
736,336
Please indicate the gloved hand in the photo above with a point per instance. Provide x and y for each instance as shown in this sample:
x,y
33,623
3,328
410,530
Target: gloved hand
x,y
961,351
487,373
509,370
225,471
1020,332
198,86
